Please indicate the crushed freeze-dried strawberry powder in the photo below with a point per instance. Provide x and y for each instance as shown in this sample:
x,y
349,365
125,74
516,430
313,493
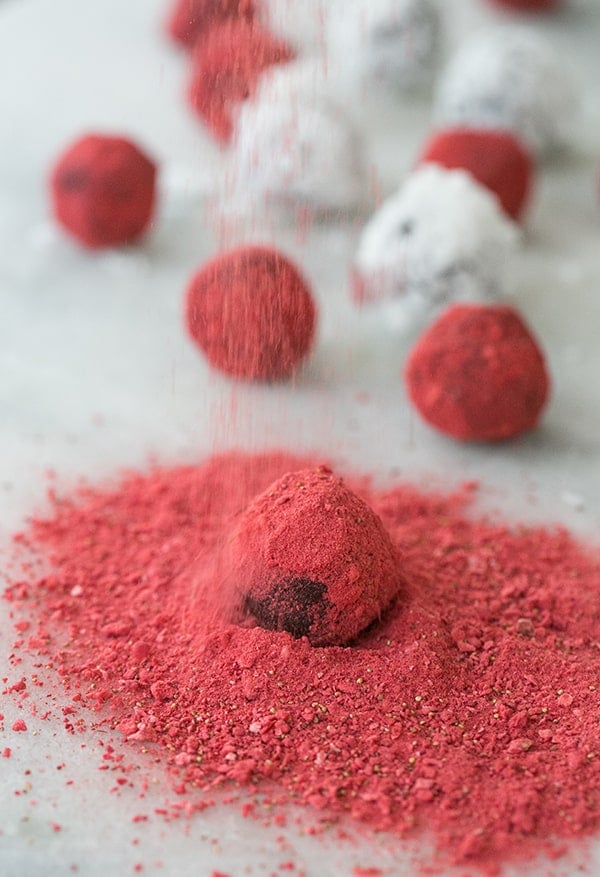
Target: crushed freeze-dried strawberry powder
x,y
471,710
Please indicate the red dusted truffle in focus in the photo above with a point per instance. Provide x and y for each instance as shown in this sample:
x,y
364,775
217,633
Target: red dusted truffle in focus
x,y
528,5
251,312
103,190
496,159
227,65
313,559
478,374
191,19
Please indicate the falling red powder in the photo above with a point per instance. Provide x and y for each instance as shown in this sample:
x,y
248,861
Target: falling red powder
x,y
191,19
478,374
470,710
103,190
496,159
252,313
227,65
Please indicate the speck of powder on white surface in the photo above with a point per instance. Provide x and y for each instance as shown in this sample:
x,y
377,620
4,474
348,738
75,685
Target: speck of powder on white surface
x,y
441,238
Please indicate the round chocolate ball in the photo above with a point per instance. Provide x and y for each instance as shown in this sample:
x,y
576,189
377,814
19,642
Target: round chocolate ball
x,y
310,557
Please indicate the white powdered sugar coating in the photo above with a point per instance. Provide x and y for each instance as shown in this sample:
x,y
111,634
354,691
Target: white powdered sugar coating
x,y
441,238
294,147
508,78
392,42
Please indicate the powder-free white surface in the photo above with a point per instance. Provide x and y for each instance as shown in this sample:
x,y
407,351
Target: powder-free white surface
x,y
95,374
441,238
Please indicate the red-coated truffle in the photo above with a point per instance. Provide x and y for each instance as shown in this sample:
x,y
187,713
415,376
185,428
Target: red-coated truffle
x,y
103,190
252,313
313,559
190,20
496,159
528,5
478,374
227,65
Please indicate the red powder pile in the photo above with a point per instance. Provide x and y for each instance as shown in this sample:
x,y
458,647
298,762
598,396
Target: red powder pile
x,y
227,64
470,710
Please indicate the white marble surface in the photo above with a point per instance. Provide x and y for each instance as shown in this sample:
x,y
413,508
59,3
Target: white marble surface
x,y
95,372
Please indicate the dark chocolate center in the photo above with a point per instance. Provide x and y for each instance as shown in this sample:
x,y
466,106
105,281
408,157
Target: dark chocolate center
x,y
293,605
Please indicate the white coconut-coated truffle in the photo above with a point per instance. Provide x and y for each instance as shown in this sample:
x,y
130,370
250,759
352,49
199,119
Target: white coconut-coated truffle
x,y
392,42
508,78
294,148
441,238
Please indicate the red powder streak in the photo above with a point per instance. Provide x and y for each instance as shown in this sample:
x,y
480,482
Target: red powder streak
x,y
471,710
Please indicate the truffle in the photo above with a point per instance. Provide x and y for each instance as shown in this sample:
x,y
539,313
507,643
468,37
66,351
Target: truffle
x,y
103,190
508,79
441,238
189,20
311,558
298,151
496,159
390,42
226,68
478,374
252,314
528,5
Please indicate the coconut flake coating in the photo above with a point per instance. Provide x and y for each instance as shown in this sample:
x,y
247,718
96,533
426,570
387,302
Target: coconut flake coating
x,y
296,149
441,238
512,79
311,558
394,42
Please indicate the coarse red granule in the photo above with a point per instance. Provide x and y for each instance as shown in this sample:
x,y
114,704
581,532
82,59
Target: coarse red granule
x,y
252,313
311,558
190,20
471,710
478,374
19,725
103,190
226,66
496,159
